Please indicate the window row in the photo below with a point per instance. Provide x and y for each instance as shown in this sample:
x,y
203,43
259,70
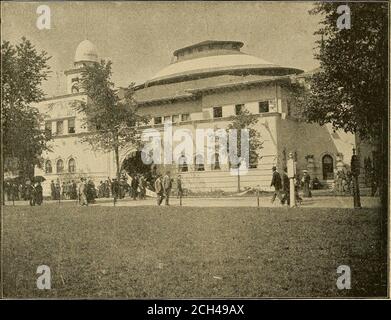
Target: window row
x,y
263,107
60,166
199,164
59,127
173,118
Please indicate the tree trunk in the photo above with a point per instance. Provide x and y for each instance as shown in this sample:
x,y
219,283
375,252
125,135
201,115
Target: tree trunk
x,y
116,151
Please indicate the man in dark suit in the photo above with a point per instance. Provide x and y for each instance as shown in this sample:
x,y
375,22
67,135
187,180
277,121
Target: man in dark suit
x,y
167,185
159,190
277,184
115,189
179,186
134,186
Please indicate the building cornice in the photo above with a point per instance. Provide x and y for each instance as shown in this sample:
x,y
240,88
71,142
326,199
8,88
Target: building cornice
x,y
193,94
168,100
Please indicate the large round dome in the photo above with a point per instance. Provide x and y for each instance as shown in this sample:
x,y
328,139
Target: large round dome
x,y
212,63
210,58
86,51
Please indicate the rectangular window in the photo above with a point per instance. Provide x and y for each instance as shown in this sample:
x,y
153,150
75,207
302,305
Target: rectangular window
x,y
239,108
157,120
263,106
167,119
217,112
48,127
175,118
71,126
185,117
60,127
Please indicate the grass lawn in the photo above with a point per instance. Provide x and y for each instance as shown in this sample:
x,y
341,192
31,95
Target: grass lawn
x,y
138,252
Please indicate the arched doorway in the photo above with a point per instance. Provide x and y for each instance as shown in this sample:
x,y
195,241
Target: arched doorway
x,y
328,167
133,164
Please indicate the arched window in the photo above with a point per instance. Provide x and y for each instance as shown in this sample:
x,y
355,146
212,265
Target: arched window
x,y
71,165
216,162
182,164
327,167
48,166
199,163
60,166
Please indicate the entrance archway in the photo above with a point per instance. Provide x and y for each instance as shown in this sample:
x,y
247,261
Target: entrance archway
x,y
133,164
328,167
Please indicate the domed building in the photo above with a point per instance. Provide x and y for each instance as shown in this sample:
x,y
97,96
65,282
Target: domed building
x,y
204,88
212,81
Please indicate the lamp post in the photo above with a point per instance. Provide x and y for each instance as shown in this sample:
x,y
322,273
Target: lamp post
x,y
291,167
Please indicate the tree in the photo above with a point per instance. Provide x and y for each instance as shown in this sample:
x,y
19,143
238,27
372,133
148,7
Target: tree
x,y
23,71
246,120
350,91
112,121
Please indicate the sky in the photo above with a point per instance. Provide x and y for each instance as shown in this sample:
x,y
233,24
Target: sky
x,y
140,37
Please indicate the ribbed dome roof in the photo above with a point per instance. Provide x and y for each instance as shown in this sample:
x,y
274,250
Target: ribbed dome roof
x,y
215,57
86,51
212,63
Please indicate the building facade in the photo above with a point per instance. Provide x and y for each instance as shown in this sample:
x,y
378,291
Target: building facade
x,y
207,84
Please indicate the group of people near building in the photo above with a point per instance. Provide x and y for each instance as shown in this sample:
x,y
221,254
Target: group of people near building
x,y
29,191
114,188
34,193
281,184
163,186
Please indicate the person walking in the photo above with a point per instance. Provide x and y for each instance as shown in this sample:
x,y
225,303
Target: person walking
x,y
39,193
83,193
74,190
30,193
276,183
159,190
167,185
115,189
179,186
58,190
134,186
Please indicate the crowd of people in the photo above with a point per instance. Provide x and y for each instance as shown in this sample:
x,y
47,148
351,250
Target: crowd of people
x,y
136,185
30,191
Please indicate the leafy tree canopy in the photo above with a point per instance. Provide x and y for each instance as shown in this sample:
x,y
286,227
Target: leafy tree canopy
x,y
112,120
23,71
246,120
350,90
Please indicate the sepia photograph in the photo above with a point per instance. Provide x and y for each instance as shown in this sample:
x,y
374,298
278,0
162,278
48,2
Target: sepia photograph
x,y
195,150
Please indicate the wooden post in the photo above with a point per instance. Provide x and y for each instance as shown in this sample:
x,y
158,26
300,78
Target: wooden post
x,y
258,197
